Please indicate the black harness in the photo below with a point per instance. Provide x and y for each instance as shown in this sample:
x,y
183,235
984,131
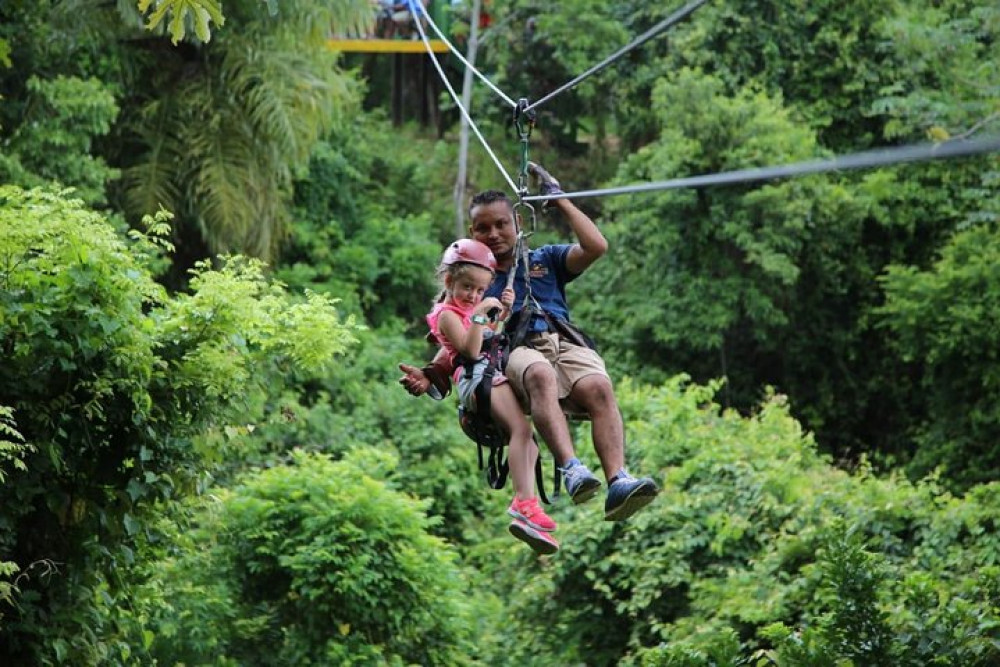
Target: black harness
x,y
481,428
478,425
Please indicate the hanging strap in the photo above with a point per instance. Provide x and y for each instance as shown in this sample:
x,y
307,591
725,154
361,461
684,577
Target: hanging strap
x,y
486,433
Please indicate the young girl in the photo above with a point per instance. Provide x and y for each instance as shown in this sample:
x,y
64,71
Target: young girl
x,y
459,322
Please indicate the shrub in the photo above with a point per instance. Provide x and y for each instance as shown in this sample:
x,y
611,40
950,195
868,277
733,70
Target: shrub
x,y
757,539
109,380
312,563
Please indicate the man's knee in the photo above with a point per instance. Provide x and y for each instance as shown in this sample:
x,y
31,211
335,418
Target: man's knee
x,y
594,392
539,377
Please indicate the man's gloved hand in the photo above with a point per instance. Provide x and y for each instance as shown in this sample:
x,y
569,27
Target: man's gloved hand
x,y
547,185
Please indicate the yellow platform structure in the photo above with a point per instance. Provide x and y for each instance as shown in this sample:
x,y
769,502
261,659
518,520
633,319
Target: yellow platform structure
x,y
385,45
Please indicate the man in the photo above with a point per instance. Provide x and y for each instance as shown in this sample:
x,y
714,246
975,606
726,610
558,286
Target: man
x,y
401,19
549,372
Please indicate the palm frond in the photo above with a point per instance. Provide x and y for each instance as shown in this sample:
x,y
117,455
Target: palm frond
x,y
243,120
152,182
316,21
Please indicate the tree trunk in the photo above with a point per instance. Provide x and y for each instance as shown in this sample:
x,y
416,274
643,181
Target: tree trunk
x,y
463,137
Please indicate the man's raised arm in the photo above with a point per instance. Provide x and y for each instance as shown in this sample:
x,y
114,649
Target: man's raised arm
x,y
591,244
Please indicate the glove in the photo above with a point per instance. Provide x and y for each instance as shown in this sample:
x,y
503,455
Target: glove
x,y
547,185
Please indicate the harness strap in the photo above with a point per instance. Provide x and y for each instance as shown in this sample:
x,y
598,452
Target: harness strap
x,y
487,434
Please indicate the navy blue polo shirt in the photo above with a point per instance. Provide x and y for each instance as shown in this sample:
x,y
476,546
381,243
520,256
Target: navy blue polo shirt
x,y
549,275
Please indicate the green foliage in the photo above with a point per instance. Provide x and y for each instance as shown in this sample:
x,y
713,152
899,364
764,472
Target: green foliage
x,y
437,460
12,449
206,359
187,16
53,142
12,445
360,404
312,563
77,359
544,46
756,539
859,73
855,630
227,126
110,379
771,284
735,262
363,231
802,50
948,56
184,15
944,321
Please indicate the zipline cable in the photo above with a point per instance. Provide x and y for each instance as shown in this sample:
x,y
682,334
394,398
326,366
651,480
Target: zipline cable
x,y
677,16
458,54
415,13
862,160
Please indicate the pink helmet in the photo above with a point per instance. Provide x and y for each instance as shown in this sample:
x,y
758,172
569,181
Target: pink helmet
x,y
468,251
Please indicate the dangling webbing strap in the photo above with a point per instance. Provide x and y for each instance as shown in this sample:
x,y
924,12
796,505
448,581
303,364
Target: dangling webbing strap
x,y
490,436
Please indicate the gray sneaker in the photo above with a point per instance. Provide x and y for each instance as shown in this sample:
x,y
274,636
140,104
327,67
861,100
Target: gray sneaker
x,y
581,485
627,495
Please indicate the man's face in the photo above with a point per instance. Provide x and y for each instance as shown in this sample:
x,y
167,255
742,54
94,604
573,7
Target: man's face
x,y
493,224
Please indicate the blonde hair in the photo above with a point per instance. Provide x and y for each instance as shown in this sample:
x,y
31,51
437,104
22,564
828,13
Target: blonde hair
x,y
452,272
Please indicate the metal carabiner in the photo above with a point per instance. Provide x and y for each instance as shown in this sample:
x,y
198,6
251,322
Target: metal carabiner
x,y
534,219
524,121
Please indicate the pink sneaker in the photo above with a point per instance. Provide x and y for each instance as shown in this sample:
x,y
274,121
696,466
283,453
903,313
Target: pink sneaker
x,y
530,512
539,541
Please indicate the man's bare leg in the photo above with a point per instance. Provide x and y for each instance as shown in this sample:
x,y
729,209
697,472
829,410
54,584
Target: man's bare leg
x,y
626,494
595,395
543,391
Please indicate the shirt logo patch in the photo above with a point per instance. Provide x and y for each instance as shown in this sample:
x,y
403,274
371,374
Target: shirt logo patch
x,y
538,270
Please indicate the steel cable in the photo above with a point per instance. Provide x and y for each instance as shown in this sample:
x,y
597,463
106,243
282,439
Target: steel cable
x,y
677,16
472,68
454,96
861,160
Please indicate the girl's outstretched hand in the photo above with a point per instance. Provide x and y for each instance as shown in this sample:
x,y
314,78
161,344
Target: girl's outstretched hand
x,y
414,380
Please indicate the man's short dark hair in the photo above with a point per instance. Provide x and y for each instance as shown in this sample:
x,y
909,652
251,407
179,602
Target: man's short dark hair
x,y
487,197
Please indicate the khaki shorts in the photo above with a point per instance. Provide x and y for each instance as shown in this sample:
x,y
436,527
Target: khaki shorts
x,y
571,362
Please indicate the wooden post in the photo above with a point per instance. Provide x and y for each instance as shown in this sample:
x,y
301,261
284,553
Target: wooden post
x,y
463,136
397,89
425,100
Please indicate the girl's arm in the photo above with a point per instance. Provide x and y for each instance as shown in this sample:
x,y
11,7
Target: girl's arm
x,y
468,342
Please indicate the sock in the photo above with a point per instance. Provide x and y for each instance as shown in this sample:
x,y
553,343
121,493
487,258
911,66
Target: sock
x,y
572,462
618,475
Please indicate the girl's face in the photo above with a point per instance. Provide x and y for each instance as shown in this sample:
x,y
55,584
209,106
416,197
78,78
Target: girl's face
x,y
468,286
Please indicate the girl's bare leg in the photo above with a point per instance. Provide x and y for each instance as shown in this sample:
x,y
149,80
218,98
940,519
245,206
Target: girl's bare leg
x,y
522,450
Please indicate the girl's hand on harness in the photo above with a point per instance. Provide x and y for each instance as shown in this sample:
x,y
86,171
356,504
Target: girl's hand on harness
x,y
486,305
507,299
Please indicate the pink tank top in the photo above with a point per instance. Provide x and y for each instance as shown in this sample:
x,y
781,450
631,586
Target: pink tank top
x,y
432,322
